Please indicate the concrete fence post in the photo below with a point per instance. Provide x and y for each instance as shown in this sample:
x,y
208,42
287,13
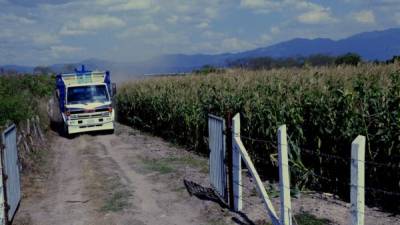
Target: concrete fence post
x,y
237,165
357,183
284,178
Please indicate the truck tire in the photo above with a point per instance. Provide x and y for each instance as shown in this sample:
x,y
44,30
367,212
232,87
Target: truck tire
x,y
53,110
65,132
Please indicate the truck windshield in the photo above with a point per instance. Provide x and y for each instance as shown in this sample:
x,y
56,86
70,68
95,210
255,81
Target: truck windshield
x,y
86,94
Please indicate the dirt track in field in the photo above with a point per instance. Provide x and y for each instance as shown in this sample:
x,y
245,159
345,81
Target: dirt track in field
x,y
131,178
123,178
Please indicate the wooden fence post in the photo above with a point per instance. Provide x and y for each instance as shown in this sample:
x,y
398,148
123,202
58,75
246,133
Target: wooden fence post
x,y
357,188
236,165
284,178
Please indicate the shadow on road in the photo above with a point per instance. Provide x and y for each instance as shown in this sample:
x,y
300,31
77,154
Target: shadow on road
x,y
208,194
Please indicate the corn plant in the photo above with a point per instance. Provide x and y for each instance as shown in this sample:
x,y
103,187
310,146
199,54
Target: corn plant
x,y
324,108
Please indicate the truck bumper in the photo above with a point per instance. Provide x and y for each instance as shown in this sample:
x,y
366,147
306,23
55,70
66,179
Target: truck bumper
x,y
87,128
90,123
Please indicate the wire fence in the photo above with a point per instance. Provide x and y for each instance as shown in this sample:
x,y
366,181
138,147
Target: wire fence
x,y
331,158
336,181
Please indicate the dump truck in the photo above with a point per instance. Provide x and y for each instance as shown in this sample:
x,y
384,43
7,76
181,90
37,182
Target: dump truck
x,y
85,102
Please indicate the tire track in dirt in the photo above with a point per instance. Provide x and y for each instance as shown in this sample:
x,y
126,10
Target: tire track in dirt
x,y
63,201
147,193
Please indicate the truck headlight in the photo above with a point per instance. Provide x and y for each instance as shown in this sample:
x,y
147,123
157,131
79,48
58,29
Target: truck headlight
x,y
105,114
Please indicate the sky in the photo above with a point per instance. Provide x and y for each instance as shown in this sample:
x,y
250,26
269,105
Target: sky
x,y
44,32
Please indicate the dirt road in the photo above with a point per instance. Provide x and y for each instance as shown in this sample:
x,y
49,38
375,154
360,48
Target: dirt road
x,y
124,178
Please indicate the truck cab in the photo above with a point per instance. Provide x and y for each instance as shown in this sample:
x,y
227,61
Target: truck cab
x,y
85,101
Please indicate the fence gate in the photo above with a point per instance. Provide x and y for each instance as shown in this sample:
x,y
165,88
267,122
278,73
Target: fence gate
x,y
216,143
11,176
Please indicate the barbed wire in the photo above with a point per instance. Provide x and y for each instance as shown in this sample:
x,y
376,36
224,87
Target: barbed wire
x,y
340,182
259,140
325,155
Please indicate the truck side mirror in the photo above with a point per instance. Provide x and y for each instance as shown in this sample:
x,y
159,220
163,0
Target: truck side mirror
x,y
114,89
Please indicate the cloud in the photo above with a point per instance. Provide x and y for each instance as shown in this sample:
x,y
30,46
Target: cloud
x,y
317,16
98,22
34,3
257,4
172,19
45,39
12,18
364,16
307,11
202,25
397,18
61,50
141,30
275,30
234,44
265,38
126,5
209,34
91,23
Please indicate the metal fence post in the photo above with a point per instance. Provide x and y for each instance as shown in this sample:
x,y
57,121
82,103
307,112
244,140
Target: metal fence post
x,y
236,165
284,179
229,159
357,188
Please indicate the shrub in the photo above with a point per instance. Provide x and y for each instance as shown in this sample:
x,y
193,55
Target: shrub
x,y
348,59
20,96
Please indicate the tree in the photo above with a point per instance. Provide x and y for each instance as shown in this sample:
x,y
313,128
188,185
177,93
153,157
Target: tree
x,y
206,69
394,59
43,70
348,59
320,60
68,68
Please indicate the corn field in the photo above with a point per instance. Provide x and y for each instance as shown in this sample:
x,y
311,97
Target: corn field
x,y
324,109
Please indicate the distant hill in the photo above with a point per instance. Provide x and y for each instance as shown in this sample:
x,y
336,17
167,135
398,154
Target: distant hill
x,y
20,69
380,45
376,45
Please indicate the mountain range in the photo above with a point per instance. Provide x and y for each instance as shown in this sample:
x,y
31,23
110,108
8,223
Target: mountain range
x,y
375,45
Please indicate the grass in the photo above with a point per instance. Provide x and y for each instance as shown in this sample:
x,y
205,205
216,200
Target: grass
x,y
117,201
103,182
39,160
306,219
172,164
160,166
117,196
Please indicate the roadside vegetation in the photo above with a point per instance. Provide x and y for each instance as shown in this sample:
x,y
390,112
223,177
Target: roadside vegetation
x,y
24,97
325,108
21,96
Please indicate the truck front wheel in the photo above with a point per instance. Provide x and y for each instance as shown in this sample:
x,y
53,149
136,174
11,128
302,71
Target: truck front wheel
x,y
65,132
